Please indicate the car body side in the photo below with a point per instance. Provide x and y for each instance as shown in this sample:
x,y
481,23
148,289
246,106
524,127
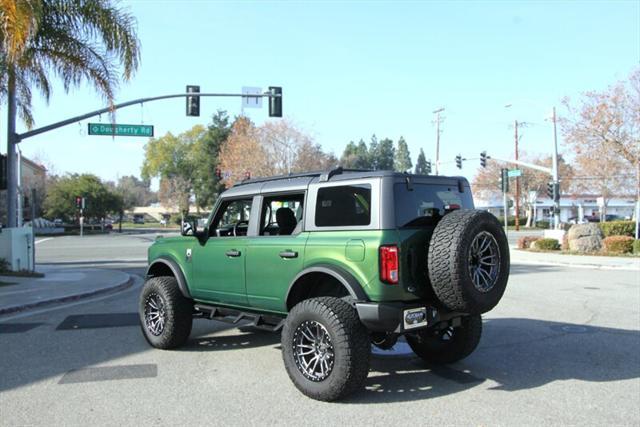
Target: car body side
x,y
349,254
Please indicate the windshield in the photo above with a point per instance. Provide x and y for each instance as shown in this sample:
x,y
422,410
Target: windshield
x,y
426,204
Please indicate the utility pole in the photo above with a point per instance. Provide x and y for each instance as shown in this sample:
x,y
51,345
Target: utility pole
x,y
556,183
12,175
517,179
437,113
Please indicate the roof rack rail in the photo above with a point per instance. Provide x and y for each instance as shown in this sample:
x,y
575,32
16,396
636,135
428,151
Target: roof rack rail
x,y
327,175
277,177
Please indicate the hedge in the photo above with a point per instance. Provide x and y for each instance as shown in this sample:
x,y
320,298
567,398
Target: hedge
x,y
547,244
618,244
636,247
618,228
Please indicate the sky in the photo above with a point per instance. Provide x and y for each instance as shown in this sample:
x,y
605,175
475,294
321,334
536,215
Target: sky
x,y
353,69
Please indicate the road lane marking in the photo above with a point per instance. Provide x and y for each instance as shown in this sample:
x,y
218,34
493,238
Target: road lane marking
x,y
43,240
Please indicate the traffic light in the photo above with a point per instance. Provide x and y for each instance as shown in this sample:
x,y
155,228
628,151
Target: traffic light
x,y
3,172
275,102
504,182
218,174
483,159
459,161
428,167
247,175
556,192
193,102
550,190
78,202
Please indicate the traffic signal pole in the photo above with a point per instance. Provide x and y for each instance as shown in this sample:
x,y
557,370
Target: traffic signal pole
x,y
556,182
14,138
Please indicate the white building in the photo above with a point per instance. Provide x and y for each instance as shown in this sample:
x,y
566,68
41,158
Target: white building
x,y
569,206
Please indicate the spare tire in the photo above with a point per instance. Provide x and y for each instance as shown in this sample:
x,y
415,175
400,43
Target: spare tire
x,y
468,262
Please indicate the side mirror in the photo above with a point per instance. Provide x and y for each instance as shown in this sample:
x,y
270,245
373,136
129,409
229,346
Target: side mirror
x,y
189,228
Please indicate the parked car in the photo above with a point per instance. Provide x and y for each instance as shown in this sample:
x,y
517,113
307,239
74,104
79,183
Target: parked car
x,y
338,261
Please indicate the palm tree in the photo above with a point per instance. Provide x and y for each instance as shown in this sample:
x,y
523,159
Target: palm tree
x,y
75,40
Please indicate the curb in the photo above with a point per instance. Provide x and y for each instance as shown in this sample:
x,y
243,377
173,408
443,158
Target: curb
x,y
68,298
588,266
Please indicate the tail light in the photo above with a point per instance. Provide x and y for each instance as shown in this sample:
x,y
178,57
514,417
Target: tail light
x,y
389,264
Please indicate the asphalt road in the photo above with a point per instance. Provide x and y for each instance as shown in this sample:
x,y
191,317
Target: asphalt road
x,y
563,347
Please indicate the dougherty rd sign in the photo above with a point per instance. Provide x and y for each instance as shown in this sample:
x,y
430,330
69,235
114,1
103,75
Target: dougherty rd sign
x,y
108,129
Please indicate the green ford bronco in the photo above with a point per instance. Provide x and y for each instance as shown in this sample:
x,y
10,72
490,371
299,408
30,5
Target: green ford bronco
x,y
338,261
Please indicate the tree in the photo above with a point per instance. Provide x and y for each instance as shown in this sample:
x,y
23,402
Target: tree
x,y
373,152
356,156
206,186
272,149
362,156
385,155
603,132
80,41
242,153
61,197
402,161
421,164
172,158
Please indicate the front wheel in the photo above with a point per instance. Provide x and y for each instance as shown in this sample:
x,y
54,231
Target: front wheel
x,y
447,345
166,316
325,348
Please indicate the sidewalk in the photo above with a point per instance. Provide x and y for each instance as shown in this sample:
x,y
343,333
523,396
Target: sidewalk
x,y
59,284
583,261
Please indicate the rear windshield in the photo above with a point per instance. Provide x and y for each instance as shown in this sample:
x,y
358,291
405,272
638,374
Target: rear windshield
x,y
426,204
343,206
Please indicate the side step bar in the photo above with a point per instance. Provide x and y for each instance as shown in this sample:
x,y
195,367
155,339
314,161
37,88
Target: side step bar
x,y
230,315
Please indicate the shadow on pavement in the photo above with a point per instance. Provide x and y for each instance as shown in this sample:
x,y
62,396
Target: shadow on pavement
x,y
514,354
532,268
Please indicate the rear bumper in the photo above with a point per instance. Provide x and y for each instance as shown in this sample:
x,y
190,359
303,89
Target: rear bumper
x,y
398,317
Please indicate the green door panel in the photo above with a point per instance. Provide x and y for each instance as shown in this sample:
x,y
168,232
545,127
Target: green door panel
x,y
217,275
272,263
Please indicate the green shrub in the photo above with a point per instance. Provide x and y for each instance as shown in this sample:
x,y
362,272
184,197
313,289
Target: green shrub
x,y
618,228
512,221
618,244
636,247
4,265
547,244
543,224
525,241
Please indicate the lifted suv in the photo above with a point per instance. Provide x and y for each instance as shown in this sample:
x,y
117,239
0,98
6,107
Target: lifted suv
x,y
338,260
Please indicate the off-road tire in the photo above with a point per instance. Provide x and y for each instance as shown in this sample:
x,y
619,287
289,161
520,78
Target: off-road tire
x,y
178,312
449,259
431,346
351,347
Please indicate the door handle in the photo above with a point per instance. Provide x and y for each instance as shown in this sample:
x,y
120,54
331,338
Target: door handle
x,y
288,254
233,253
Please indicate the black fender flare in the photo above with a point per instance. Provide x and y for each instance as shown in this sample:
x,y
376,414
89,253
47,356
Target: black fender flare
x,y
177,273
345,278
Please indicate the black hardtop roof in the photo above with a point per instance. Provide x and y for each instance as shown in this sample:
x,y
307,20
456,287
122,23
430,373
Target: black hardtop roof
x,y
300,180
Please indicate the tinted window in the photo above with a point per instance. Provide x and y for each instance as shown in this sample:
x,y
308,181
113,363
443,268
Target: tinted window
x,y
343,205
283,223
426,204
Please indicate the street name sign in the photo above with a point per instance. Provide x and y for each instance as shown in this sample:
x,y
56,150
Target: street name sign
x,y
109,129
514,173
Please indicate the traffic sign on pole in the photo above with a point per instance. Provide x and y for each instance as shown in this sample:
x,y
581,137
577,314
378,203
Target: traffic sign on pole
x,y
108,129
514,173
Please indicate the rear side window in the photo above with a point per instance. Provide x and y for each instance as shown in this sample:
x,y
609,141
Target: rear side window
x,y
426,204
343,206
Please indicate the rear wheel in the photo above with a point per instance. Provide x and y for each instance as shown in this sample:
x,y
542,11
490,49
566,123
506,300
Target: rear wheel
x,y
325,348
447,345
166,315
